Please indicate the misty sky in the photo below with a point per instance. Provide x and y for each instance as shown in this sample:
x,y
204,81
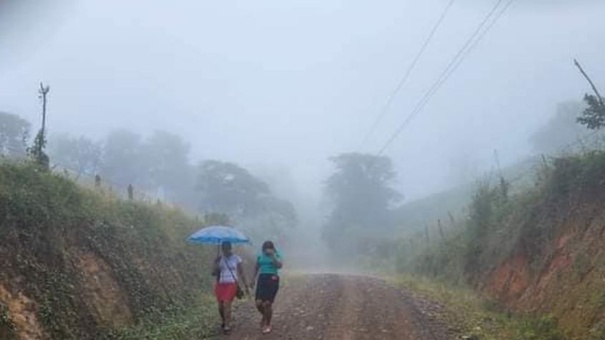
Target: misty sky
x,y
279,86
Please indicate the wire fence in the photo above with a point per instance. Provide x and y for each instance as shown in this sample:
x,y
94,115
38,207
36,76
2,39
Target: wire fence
x,y
594,141
89,179
99,182
435,231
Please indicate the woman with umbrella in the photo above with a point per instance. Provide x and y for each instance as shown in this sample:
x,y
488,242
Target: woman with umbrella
x,y
227,267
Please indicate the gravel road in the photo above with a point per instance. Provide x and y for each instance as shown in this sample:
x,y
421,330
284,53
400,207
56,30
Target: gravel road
x,y
347,307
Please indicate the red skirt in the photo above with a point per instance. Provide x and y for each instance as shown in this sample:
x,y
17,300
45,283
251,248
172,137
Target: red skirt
x,y
225,292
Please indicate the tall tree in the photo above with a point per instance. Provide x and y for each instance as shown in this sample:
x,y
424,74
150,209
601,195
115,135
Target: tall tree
x,y
228,188
361,194
123,162
167,156
14,132
593,116
81,155
273,218
37,150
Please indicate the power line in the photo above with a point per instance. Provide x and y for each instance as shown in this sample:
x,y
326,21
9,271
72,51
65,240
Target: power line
x,y
449,70
407,74
470,44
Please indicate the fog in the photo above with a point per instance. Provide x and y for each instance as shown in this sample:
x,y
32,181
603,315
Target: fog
x,y
287,84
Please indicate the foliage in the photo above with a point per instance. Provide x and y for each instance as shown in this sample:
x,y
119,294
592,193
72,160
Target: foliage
x,y
488,209
228,189
275,217
479,317
217,219
362,197
79,154
502,227
47,223
561,130
36,151
167,158
7,328
543,328
123,159
593,116
443,261
581,172
157,164
195,322
14,132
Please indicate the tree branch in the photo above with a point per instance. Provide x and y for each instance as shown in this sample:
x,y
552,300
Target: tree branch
x,y
594,88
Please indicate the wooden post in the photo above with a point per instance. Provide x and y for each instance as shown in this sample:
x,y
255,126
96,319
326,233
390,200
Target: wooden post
x,y
440,229
43,91
97,181
452,220
130,192
426,234
594,88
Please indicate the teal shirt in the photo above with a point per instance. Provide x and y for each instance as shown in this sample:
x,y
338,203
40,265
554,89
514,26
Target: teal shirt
x,y
266,265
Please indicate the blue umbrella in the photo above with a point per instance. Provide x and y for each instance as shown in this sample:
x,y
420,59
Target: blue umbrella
x,y
217,235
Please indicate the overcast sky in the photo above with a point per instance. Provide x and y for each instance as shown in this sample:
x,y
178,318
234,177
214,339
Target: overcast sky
x,y
279,86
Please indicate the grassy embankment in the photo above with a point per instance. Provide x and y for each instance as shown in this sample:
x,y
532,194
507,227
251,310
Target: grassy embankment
x,y
80,263
534,252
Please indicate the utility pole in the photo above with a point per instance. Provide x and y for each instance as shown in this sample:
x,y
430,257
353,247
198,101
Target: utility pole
x,y
42,94
37,150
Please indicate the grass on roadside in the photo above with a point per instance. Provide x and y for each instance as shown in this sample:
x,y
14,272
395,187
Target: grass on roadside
x,y
197,322
476,317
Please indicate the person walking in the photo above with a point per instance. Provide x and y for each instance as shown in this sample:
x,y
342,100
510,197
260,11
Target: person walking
x,y
268,264
227,267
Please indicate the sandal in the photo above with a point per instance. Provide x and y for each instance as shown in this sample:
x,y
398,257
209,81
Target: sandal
x,y
267,329
226,329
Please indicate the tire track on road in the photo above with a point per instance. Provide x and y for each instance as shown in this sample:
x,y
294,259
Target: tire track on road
x,y
335,307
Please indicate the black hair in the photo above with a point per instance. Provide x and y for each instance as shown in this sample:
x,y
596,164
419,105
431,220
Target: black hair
x,y
268,245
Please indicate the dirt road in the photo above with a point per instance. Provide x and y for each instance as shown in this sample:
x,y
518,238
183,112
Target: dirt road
x,y
329,306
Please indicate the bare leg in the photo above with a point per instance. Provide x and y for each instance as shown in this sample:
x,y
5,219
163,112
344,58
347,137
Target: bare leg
x,y
261,309
227,313
268,312
221,312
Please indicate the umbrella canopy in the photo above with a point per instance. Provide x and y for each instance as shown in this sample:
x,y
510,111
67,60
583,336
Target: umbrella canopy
x,y
217,235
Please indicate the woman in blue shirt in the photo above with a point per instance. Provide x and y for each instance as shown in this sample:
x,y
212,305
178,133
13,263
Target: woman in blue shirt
x,y
268,264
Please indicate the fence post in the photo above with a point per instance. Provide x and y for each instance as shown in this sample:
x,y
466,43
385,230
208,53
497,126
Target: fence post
x,y
440,229
452,219
97,181
426,234
130,192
